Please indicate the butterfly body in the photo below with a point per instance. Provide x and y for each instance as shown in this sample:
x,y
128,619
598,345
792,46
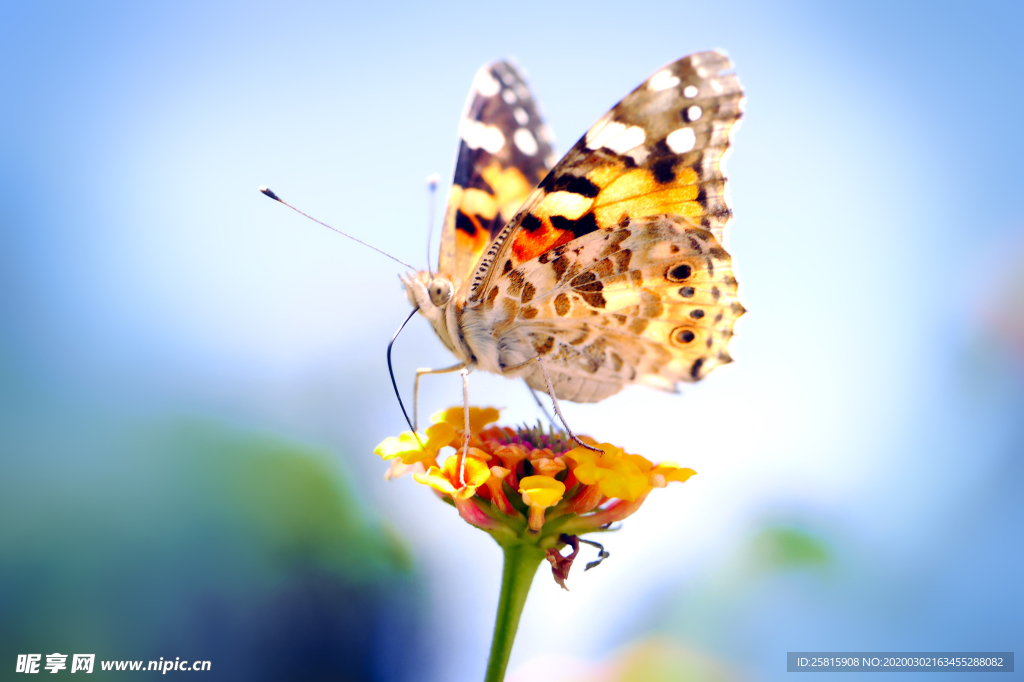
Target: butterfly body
x,y
611,270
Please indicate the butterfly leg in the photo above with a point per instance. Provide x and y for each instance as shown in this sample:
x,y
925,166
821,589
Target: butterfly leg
x,y
551,392
465,414
543,409
558,410
416,386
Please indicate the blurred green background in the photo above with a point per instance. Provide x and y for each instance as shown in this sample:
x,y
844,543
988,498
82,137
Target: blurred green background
x,y
192,380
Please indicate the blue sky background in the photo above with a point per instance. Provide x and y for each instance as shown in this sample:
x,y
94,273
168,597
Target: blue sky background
x,y
874,408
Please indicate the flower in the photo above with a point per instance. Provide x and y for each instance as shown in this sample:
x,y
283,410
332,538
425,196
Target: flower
x,y
527,487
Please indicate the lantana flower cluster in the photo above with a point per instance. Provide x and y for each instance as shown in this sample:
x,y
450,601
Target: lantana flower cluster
x,y
526,485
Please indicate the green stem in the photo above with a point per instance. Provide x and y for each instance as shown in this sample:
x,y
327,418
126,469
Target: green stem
x,y
521,562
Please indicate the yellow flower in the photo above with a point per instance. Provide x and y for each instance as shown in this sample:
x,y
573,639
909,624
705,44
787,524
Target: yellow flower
x,y
449,479
479,417
491,488
540,492
615,473
411,449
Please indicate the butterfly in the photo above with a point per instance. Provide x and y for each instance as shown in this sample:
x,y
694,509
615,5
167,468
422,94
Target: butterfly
x,y
605,269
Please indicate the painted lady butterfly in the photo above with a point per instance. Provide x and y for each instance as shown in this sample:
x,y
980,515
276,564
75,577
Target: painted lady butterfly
x,y
611,270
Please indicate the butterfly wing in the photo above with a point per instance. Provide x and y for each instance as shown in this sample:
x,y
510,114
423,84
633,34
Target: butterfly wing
x,y
652,301
614,271
504,151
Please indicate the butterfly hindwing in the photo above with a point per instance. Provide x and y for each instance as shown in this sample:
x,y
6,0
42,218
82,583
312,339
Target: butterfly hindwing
x,y
652,301
504,151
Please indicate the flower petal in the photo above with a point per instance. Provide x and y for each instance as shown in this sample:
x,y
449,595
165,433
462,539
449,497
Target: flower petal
x,y
436,480
479,417
476,474
405,446
614,476
438,436
670,471
541,491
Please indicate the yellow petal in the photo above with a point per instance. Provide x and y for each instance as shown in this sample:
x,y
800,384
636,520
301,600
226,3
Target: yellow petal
x,y
616,479
436,480
641,463
409,449
541,491
405,446
673,472
582,455
479,417
438,436
476,474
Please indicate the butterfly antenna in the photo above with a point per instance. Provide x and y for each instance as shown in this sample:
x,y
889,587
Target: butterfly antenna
x,y
392,373
270,193
432,181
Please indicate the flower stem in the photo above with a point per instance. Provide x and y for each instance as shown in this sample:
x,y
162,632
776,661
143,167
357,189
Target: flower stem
x,y
521,562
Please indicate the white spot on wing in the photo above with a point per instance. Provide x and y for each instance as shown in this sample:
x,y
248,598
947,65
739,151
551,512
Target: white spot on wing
x,y
681,140
716,86
522,118
485,84
508,96
663,80
690,91
694,113
597,137
480,136
525,141
629,138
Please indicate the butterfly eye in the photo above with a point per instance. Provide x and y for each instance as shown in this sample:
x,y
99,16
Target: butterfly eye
x,y
440,291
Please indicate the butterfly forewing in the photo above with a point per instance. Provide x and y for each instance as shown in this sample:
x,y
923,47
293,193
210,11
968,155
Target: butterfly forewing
x,y
504,151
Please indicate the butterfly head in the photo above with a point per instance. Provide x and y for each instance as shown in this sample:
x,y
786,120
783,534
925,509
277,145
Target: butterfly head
x,y
430,292
432,295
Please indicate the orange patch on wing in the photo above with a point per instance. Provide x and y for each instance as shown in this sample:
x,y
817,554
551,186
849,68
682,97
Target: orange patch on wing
x,y
640,182
529,245
672,202
603,175
686,176
638,194
472,245
628,185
